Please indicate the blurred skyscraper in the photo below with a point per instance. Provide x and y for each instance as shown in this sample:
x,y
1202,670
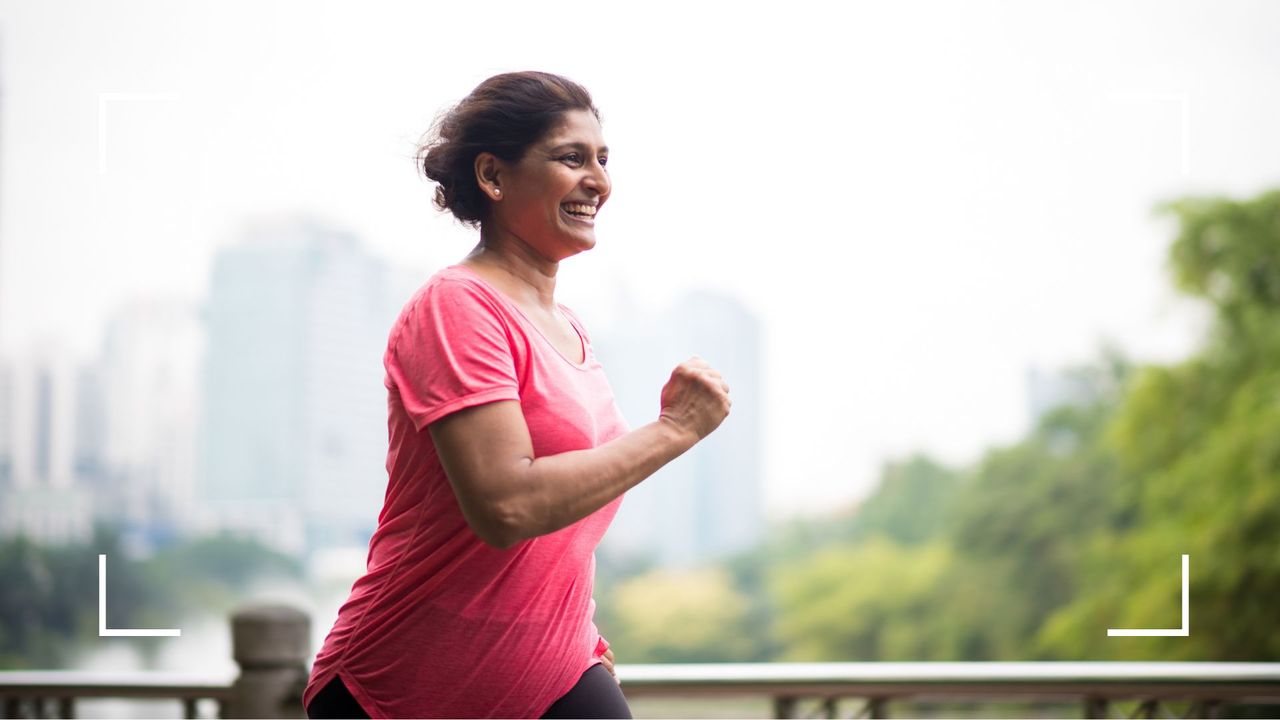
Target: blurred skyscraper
x,y
150,379
6,427
294,436
42,440
40,394
705,503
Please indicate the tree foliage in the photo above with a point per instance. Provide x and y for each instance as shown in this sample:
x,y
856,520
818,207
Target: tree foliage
x,y
1198,449
1041,546
679,616
49,593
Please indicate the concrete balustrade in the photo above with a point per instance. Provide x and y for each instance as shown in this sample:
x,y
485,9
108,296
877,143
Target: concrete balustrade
x,y
271,643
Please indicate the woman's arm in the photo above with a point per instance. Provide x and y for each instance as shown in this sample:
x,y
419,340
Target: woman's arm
x,y
507,495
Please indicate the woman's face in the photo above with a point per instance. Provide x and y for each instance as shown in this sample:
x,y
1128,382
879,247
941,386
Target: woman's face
x,y
549,199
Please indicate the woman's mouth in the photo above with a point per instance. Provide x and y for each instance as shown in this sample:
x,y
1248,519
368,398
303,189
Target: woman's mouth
x,y
579,213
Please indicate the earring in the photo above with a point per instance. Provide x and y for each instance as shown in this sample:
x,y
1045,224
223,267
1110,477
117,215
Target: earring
x,y
496,191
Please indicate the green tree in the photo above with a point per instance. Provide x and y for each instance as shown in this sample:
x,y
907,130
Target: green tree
x,y
49,598
910,503
870,601
49,593
210,574
694,615
1198,452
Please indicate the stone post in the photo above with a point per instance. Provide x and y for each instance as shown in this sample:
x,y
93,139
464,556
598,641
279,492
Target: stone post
x,y
271,644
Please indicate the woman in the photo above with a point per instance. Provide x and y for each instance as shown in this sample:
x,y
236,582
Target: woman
x,y
508,456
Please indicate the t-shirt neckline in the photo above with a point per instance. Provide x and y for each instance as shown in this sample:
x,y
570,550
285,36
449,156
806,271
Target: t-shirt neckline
x,y
582,340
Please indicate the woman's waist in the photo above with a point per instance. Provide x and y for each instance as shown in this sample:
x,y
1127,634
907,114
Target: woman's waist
x,y
474,634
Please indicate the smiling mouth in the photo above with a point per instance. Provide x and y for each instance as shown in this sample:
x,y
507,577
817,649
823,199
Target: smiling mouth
x,y
584,214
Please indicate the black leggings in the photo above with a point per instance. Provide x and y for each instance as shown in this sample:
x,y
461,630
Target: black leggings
x,y
596,695
335,701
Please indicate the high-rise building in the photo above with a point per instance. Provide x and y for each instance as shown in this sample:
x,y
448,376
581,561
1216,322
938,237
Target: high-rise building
x,y
294,439
42,498
6,427
149,373
706,503
89,454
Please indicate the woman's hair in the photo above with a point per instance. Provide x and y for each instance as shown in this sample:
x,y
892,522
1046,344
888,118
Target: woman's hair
x,y
504,115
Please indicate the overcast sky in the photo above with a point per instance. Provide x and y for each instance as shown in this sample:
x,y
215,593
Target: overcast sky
x,y
920,200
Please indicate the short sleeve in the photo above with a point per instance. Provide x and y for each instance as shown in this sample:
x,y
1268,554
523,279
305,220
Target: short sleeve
x,y
451,350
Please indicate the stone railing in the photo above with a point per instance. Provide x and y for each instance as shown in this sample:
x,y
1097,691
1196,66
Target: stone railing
x,y
271,646
1098,689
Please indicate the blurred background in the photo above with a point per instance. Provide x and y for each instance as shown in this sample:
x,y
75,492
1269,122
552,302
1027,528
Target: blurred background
x,y
996,286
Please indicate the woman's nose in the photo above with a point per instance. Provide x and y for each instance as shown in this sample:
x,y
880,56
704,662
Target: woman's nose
x,y
598,179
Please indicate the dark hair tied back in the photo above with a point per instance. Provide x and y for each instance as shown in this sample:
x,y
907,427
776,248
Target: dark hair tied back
x,y
504,115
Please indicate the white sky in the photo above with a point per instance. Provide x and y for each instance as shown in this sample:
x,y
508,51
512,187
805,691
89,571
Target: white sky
x,y
919,199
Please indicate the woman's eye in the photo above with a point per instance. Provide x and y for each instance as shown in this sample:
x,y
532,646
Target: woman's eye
x,y
576,159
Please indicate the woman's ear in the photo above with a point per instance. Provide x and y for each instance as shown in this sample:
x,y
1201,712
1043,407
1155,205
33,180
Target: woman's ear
x,y
488,175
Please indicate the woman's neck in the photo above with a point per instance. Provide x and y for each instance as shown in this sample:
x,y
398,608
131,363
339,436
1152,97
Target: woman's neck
x,y
534,278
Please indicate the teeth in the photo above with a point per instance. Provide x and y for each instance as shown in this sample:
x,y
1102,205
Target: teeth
x,y
589,210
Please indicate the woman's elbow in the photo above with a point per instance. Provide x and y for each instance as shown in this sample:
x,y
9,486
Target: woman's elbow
x,y
500,526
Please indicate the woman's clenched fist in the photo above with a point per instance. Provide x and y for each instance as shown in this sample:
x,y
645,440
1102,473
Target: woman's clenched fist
x,y
696,398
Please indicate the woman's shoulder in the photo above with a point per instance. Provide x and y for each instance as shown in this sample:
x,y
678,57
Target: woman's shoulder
x,y
453,287
451,296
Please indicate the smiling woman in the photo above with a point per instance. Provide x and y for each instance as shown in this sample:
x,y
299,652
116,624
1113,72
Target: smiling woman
x,y
552,194
501,118
508,456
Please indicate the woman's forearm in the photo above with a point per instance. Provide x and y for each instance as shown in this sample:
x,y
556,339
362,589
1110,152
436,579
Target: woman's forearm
x,y
559,490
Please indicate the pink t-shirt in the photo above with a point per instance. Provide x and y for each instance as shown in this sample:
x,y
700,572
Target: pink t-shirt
x,y
442,624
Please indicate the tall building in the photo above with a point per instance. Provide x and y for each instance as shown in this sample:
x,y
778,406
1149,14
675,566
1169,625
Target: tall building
x,y
38,408
150,397
706,503
294,439
6,427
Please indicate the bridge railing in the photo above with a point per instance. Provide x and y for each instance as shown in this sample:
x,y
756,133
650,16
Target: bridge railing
x,y
858,689
270,644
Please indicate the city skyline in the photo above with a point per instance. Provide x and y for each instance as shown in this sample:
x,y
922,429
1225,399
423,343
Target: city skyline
x,y
707,503
260,410
919,203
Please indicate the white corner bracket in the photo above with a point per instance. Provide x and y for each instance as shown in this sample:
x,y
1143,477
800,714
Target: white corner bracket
x,y
1184,631
103,631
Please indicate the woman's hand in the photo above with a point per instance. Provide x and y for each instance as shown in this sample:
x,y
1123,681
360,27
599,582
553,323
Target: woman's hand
x,y
696,398
607,661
